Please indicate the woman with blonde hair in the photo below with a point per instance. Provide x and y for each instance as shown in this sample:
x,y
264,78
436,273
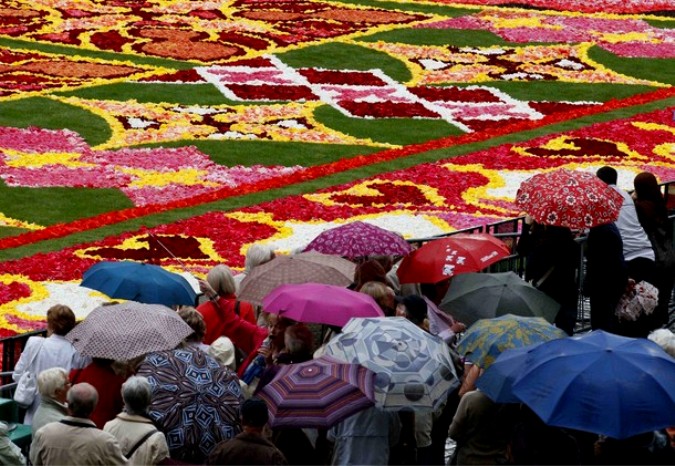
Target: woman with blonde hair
x,y
220,288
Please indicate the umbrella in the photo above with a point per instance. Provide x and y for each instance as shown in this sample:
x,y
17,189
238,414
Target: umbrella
x,y
195,401
569,198
359,239
474,296
413,368
487,338
497,380
128,330
443,258
306,267
136,281
318,393
600,383
317,303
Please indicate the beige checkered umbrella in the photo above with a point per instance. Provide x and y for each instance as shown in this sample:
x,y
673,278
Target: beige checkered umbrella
x,y
306,267
125,331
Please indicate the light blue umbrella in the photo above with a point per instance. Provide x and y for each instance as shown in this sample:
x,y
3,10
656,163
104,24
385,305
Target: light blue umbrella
x,y
413,367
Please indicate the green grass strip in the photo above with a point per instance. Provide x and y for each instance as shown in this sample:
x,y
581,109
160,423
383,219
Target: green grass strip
x,y
50,114
400,131
654,69
45,206
340,56
182,94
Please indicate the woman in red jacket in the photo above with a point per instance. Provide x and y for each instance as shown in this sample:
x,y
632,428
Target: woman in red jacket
x,y
220,288
222,319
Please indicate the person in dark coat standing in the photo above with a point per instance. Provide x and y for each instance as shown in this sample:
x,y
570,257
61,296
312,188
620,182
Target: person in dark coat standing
x,y
250,446
606,275
552,261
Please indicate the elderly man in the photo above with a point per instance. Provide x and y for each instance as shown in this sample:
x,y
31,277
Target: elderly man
x,y
53,385
75,438
141,442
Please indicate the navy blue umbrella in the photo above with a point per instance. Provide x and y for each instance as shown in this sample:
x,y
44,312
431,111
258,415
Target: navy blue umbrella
x,y
600,383
136,281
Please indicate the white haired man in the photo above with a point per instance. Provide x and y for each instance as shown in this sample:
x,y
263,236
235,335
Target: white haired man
x,y
53,385
75,439
140,440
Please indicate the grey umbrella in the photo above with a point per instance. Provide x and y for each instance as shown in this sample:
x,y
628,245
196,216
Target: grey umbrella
x,y
306,267
474,296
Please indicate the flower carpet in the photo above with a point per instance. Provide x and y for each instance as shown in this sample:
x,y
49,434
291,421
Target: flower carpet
x,y
181,132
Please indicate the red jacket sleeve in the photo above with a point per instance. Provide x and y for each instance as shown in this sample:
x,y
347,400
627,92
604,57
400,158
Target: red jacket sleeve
x,y
244,335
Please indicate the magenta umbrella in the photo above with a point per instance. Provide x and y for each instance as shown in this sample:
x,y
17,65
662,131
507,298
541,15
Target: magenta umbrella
x,y
317,303
359,239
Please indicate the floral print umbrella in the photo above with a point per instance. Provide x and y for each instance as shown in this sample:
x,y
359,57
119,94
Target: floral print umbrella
x,y
195,401
567,198
359,239
487,338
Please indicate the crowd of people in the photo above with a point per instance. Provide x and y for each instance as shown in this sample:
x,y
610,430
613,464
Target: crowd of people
x,y
99,411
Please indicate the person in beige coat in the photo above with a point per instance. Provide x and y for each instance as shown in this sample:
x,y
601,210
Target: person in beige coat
x,y
75,439
140,440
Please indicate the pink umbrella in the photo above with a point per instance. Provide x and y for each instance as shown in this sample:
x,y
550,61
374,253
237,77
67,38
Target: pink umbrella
x,y
359,239
317,303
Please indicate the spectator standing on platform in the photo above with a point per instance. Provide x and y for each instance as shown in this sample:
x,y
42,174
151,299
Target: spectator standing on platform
x,y
53,351
76,439
552,262
139,439
53,385
250,446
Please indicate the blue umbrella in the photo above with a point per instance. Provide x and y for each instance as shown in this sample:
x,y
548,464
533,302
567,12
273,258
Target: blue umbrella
x,y
497,380
136,281
600,383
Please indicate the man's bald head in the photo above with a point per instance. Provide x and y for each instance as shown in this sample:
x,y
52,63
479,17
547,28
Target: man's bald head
x,y
82,399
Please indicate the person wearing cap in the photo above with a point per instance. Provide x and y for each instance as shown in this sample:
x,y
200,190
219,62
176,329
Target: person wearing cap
x,y
250,446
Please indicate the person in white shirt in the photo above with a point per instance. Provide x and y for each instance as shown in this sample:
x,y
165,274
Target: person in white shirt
x,y
53,351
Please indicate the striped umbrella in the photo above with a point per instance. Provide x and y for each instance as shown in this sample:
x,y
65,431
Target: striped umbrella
x,y
318,393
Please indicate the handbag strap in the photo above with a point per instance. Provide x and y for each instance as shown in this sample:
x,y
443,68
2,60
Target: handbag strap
x,y
140,442
35,353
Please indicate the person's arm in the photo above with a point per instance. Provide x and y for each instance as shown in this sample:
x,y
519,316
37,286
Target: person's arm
x,y
113,454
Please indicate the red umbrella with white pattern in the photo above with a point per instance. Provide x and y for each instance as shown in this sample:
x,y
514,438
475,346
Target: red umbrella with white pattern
x,y
446,257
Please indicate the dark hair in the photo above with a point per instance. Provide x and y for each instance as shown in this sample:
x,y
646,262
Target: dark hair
x,y
254,412
60,319
607,174
647,187
415,308
301,339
